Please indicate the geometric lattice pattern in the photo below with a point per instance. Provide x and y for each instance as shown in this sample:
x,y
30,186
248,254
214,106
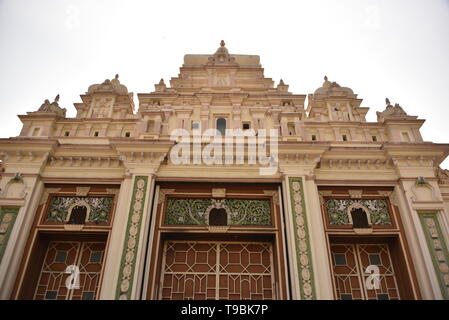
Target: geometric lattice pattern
x,y
217,270
88,256
350,261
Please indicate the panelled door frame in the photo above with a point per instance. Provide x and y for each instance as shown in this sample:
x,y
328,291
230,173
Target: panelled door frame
x,y
218,265
80,247
361,275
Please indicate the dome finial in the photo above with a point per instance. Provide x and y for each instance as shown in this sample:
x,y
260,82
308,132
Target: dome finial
x,y
387,101
116,76
222,43
325,78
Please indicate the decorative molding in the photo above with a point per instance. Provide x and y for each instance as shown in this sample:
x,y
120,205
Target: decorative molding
x,y
324,193
8,217
356,164
24,156
163,193
355,194
218,192
98,208
417,196
274,195
46,194
84,161
414,161
82,191
195,211
79,203
339,211
112,191
391,195
299,158
304,257
151,158
15,188
442,175
129,254
438,250
218,229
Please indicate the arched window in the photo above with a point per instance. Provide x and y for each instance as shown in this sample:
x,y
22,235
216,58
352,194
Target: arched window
x,y
78,215
359,218
218,217
221,126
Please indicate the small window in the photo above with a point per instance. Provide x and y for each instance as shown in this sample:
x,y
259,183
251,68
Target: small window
x,y
383,296
67,133
218,217
36,132
127,134
359,218
51,295
374,258
246,126
313,137
95,257
78,215
344,137
346,296
61,256
405,137
195,125
96,134
221,126
88,295
291,128
374,138
340,259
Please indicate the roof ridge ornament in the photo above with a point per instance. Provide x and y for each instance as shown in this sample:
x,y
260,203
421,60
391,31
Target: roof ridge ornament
x,y
390,111
52,107
221,56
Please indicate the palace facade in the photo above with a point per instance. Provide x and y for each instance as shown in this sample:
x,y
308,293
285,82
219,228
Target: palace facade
x,y
112,204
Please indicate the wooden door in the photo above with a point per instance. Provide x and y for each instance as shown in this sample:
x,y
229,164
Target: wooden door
x,y
87,256
217,270
352,279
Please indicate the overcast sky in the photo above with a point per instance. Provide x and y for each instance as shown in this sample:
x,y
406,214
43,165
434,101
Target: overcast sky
x,y
393,48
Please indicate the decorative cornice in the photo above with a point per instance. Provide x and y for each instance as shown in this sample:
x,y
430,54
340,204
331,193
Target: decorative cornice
x,y
84,161
356,164
149,157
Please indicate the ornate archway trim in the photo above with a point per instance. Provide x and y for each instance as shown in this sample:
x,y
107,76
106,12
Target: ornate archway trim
x,y
78,203
357,205
302,239
129,254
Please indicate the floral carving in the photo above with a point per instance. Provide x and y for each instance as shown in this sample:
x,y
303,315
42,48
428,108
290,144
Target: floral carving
x,y
131,239
194,211
337,209
302,239
100,208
